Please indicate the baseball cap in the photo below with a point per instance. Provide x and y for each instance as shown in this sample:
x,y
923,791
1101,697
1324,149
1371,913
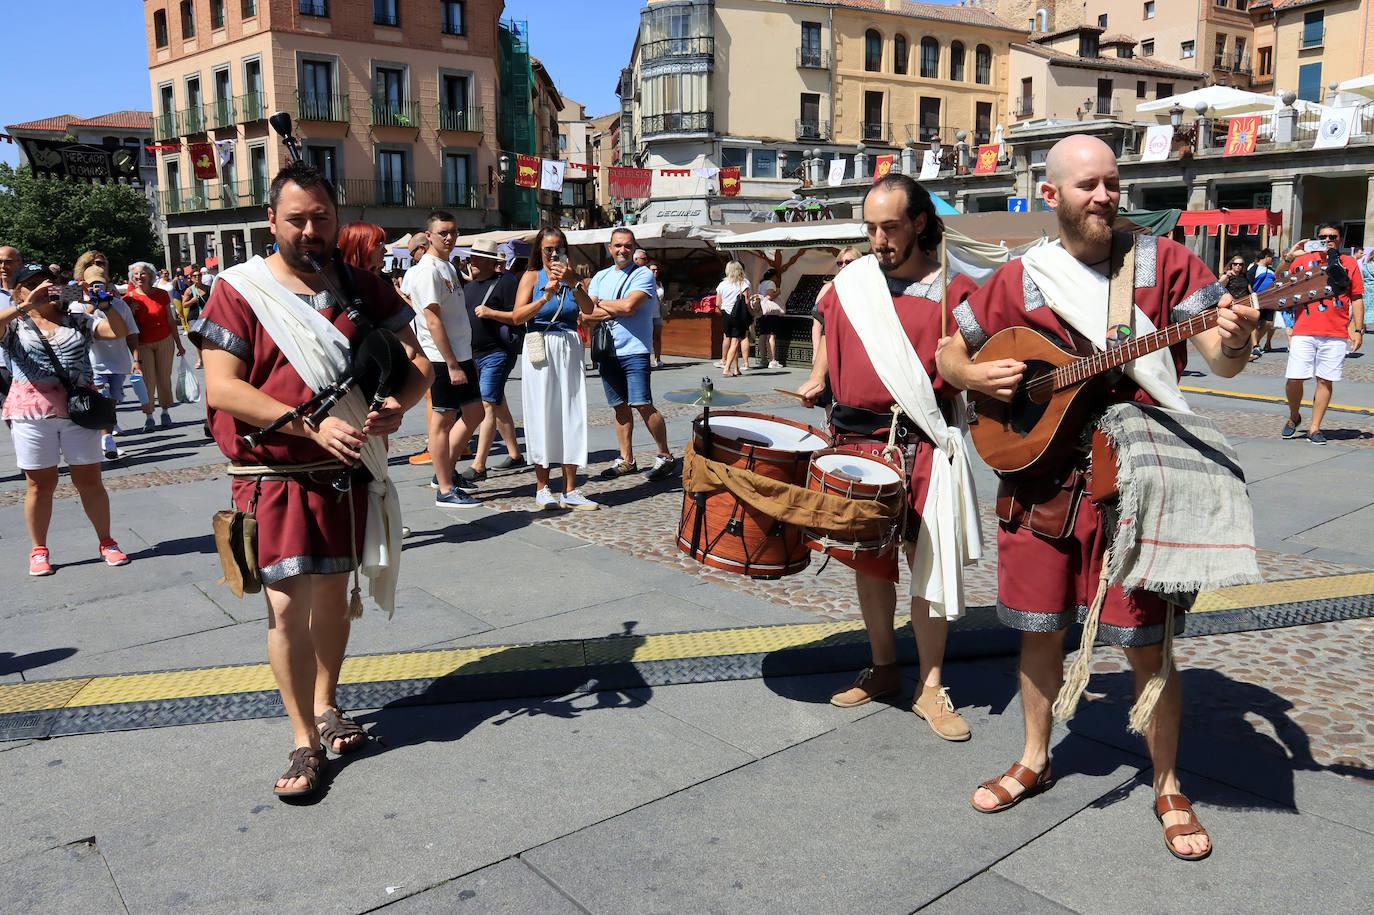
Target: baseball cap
x,y
32,274
94,275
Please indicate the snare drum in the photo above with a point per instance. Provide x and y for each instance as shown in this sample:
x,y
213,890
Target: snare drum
x,y
855,474
730,535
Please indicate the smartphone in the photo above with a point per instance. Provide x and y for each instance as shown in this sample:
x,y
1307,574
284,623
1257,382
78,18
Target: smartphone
x,y
560,258
70,294
1314,245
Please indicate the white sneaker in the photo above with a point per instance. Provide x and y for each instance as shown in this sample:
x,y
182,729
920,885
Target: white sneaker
x,y
545,499
578,502
775,364
744,370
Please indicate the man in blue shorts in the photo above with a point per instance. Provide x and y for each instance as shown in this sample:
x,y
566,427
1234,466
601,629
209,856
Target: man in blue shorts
x,y
490,296
626,296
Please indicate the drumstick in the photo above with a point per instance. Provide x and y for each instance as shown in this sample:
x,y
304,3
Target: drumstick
x,y
790,393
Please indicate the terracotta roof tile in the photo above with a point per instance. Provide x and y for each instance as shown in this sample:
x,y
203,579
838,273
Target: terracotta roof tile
x,y
1118,38
57,123
1140,65
128,118
966,15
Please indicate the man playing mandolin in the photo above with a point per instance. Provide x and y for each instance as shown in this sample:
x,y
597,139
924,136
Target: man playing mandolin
x,y
1046,581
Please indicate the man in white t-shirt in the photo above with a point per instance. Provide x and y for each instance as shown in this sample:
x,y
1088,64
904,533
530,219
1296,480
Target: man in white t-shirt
x,y
434,291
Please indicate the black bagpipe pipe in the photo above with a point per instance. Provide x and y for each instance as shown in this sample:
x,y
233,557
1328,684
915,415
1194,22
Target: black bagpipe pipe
x,y
378,364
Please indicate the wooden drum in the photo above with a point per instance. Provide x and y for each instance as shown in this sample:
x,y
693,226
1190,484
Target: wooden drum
x,y
856,474
732,536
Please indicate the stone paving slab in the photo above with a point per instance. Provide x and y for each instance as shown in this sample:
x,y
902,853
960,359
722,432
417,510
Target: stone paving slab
x,y
841,823
508,888
991,892
59,881
1108,857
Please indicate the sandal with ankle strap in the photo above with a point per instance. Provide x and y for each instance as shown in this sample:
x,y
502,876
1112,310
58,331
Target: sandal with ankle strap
x,y
1034,783
334,726
1168,802
307,763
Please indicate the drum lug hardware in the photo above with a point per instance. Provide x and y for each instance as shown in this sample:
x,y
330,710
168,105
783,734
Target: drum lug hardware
x,y
734,526
972,413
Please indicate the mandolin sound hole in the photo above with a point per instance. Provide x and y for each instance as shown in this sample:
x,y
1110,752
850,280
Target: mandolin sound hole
x,y
1031,397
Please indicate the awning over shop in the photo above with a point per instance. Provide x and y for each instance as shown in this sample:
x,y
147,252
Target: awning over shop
x,y
1156,222
496,235
1235,221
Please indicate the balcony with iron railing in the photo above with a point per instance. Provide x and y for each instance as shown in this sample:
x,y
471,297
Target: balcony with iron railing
x,y
875,130
222,113
250,107
1241,65
366,192
678,47
315,107
463,120
165,126
813,130
677,122
1024,108
229,195
191,120
390,112
1311,38
383,16
813,59
1103,108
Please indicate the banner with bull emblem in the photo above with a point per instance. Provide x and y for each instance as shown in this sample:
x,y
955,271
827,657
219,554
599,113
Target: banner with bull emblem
x,y
527,171
729,182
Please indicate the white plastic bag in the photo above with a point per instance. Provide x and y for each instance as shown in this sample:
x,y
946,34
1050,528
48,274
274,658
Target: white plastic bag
x,y
185,385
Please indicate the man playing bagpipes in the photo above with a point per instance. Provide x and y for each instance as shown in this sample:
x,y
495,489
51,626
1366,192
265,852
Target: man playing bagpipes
x,y
274,334
1182,521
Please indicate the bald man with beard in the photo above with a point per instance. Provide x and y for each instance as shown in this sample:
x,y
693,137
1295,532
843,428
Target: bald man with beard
x,y
1045,585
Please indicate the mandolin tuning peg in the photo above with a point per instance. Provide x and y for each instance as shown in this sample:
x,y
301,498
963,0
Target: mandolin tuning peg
x,y
1283,301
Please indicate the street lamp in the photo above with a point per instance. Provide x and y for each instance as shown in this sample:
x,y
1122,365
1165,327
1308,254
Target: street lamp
x,y
1176,116
503,166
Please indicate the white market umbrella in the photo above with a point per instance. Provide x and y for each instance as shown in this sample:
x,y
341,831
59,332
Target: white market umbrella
x,y
1221,99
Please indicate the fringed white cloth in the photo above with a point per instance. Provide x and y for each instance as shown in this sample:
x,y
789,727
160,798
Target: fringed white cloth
x,y
319,352
950,537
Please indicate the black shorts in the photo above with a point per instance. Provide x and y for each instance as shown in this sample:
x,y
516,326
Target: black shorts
x,y
738,322
1266,316
770,324
447,397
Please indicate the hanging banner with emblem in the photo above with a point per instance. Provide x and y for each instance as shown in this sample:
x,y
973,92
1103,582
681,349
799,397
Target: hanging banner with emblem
x,y
986,163
527,171
930,165
203,161
1335,129
729,182
1159,139
1241,134
882,166
54,159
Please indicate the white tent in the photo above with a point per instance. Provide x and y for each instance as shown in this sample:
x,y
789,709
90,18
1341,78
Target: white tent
x,y
1224,100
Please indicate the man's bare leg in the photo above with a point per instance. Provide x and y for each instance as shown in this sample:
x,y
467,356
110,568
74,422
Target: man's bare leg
x,y
329,630
1321,398
877,603
931,634
486,434
1042,673
291,654
505,424
1292,391
468,421
625,431
441,423
658,428
1161,737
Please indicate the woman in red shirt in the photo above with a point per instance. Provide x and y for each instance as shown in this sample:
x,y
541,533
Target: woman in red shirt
x,y
157,338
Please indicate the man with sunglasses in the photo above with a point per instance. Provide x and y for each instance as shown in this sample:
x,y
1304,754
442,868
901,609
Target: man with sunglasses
x,y
1323,333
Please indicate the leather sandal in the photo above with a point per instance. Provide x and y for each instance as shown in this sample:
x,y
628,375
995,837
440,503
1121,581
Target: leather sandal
x,y
1034,783
1167,802
307,763
334,726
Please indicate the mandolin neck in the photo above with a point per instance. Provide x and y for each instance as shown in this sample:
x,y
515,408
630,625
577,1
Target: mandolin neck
x,y
1080,370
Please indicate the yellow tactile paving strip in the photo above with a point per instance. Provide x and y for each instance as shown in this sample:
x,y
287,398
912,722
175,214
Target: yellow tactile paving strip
x,y
1271,398
88,692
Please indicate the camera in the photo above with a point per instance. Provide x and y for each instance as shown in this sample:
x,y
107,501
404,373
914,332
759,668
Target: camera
x,y
98,294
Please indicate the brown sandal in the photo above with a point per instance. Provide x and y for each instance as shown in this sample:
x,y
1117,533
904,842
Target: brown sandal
x,y
334,726
306,762
1167,802
1034,783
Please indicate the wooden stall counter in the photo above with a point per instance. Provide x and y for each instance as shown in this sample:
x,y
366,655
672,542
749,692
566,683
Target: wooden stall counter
x,y
695,335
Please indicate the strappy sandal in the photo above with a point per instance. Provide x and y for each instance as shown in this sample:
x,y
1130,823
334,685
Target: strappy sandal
x,y
1034,783
1167,802
307,763
335,726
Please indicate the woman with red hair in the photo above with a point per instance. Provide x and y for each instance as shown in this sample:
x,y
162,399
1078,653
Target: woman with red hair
x,y
363,244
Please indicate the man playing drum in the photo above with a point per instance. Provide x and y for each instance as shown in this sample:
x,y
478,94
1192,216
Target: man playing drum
x,y
904,233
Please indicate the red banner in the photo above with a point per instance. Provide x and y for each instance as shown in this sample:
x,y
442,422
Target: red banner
x,y
987,159
882,165
630,182
675,172
527,171
1241,134
585,166
203,160
729,182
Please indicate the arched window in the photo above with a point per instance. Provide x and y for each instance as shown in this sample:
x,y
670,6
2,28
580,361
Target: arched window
x,y
899,54
956,61
982,65
873,51
930,58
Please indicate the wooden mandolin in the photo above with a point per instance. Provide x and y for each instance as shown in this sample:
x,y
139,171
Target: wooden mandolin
x,y
1059,390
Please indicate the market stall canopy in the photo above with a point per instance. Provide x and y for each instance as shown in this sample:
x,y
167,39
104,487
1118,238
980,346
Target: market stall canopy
x,y
651,235
1236,221
1156,222
1360,85
496,235
1224,100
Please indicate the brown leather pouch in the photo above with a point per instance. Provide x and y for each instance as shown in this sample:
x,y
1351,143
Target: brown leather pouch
x,y
1047,506
236,541
1102,482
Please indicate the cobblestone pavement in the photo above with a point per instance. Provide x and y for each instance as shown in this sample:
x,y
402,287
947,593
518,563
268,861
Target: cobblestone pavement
x,y
1300,692
1342,428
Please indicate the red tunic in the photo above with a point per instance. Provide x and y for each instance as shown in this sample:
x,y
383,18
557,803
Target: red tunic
x,y
304,527
1044,585
855,383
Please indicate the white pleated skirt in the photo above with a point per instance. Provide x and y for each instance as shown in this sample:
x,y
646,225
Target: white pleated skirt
x,y
554,398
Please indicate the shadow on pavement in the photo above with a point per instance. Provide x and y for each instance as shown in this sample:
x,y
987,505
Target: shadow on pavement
x,y
200,545
11,663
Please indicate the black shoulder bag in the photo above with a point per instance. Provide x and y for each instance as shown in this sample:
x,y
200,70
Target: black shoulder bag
x,y
603,341
86,406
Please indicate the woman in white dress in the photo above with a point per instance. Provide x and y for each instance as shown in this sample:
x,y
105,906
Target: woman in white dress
x,y
553,392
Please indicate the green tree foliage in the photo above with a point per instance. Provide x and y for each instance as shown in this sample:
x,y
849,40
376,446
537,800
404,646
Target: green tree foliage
x,y
53,222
